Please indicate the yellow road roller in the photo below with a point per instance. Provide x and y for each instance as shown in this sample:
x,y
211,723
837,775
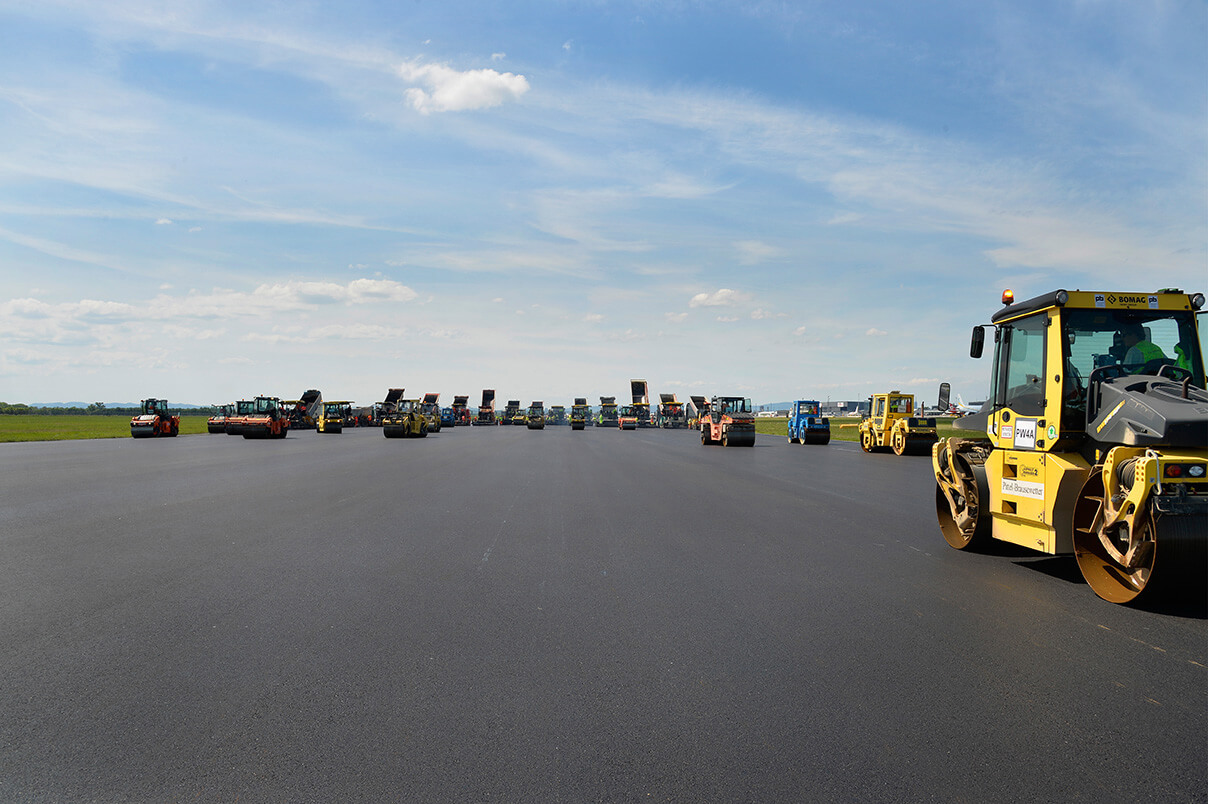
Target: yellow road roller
x,y
1096,441
892,424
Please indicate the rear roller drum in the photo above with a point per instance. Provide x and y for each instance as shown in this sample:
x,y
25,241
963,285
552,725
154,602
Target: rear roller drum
x,y
915,445
961,493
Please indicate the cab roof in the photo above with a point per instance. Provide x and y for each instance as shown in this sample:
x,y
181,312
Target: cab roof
x,y
1166,299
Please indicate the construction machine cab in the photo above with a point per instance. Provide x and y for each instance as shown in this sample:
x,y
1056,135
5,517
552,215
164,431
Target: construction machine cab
x,y
1096,440
267,406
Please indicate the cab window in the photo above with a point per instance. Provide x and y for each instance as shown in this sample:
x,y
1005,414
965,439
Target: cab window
x,y
1096,339
1021,356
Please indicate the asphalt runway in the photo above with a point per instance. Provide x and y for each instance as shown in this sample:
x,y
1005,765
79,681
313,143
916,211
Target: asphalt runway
x,y
493,614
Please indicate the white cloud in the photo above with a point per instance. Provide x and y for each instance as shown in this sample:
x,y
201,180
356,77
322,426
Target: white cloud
x,y
498,56
752,252
675,318
100,321
593,318
799,331
875,333
727,318
760,313
163,222
724,297
449,90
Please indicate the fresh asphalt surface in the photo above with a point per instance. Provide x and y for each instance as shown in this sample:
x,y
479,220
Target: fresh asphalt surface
x,y
493,614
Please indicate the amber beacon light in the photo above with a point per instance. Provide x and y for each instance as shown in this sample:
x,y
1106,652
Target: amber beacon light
x,y
1008,296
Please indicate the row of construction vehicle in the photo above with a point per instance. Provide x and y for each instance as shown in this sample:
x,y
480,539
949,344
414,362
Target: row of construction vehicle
x,y
261,417
272,417
1093,441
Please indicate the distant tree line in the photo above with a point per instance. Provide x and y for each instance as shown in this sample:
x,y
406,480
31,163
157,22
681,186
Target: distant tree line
x,y
95,409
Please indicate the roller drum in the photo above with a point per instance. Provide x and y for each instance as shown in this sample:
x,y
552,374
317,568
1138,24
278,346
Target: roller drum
x,y
1170,551
964,520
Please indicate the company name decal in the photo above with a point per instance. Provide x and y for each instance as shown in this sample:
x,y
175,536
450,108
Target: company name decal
x,y
1125,300
1022,488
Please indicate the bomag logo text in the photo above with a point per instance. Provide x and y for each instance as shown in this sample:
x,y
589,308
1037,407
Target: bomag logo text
x,y
1122,299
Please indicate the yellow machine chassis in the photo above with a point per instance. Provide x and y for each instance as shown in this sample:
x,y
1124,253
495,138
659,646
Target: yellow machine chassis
x,y
1027,482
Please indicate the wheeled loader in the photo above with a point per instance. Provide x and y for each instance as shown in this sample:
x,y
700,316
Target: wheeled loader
x,y
155,420
892,425
1094,444
729,421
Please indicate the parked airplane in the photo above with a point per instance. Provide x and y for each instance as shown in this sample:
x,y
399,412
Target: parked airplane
x,y
966,409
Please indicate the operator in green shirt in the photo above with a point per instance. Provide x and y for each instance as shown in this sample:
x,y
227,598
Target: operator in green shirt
x,y
1140,351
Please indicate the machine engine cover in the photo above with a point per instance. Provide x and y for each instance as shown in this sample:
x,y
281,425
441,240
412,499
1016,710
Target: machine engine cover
x,y
1145,410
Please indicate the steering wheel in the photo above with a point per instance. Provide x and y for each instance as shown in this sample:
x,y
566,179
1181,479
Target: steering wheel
x,y
1107,373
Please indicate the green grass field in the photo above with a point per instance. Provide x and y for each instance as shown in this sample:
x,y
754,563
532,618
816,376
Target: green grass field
x,y
66,428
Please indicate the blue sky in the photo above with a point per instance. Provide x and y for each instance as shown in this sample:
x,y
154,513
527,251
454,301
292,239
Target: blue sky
x,y
210,200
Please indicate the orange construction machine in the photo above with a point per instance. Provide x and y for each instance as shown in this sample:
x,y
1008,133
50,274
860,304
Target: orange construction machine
x,y
155,420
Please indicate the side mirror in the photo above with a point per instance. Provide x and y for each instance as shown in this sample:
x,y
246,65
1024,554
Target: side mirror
x,y
978,342
945,396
